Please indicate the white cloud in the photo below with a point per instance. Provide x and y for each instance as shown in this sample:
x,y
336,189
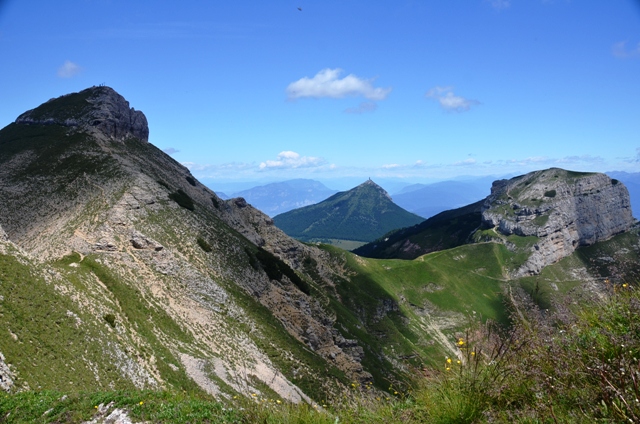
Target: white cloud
x,y
68,69
170,150
449,101
364,107
391,166
620,50
499,4
327,83
291,160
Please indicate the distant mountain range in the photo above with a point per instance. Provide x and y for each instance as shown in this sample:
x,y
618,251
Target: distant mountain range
x,y
280,197
362,214
428,200
425,200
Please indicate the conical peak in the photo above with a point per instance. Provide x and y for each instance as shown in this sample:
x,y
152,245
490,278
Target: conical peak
x,y
369,185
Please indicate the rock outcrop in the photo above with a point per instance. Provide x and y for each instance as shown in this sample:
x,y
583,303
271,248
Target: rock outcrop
x,y
563,209
6,376
100,109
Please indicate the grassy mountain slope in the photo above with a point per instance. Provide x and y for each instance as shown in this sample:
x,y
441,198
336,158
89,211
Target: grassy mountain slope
x,y
168,281
446,230
360,214
149,280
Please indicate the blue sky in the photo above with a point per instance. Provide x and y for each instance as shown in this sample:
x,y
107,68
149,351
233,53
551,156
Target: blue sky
x,y
413,90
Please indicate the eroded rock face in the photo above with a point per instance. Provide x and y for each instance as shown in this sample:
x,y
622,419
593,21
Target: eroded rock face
x,y
563,209
98,108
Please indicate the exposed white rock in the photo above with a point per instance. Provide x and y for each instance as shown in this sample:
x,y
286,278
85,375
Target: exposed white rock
x,y
6,375
563,209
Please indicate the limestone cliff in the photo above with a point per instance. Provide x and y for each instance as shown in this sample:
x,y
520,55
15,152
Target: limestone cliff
x,y
563,209
97,109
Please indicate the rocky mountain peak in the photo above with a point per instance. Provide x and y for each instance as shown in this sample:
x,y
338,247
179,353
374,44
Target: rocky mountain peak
x,y
370,184
98,110
564,209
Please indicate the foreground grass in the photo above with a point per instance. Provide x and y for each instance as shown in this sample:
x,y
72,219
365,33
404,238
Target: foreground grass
x,y
171,407
580,364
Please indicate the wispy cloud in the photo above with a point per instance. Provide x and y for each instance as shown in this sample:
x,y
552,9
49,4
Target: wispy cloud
x,y
170,150
466,162
364,107
327,83
449,101
585,159
68,69
633,159
237,170
620,50
292,160
545,161
290,164
499,4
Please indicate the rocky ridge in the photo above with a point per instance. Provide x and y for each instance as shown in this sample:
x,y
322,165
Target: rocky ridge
x,y
563,209
99,109
137,214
